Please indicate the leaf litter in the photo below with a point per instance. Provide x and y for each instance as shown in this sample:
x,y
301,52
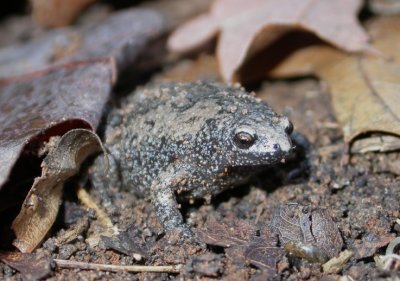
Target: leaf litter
x,y
122,37
44,104
364,90
48,99
363,194
57,13
246,27
294,229
244,242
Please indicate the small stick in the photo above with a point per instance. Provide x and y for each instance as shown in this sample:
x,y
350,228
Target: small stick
x,y
116,268
102,216
392,245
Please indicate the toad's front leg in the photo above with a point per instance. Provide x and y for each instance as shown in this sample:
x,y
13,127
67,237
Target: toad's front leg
x,y
163,197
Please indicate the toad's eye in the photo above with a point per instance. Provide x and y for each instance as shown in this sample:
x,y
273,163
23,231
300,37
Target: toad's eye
x,y
244,139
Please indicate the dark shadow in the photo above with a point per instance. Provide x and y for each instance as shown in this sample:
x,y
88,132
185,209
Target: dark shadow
x,y
15,7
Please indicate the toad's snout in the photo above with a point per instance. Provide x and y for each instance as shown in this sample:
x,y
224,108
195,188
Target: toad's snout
x,y
283,147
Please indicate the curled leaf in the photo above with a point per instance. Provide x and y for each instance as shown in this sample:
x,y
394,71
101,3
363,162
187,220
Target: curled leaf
x,y
40,206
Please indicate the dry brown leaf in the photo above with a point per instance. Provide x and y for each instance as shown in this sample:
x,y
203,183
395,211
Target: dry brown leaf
x,y
40,206
57,13
245,27
364,90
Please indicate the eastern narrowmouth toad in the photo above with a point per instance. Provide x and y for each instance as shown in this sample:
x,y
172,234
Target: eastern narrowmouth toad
x,y
191,141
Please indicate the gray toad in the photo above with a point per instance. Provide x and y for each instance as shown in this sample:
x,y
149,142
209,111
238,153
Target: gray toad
x,y
191,141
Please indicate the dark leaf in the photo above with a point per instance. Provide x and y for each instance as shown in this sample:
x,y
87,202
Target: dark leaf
x,y
38,106
70,93
206,265
326,232
264,252
292,224
121,37
244,241
368,246
128,242
32,266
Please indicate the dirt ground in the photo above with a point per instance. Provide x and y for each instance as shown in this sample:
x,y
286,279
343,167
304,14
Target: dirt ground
x,y
361,193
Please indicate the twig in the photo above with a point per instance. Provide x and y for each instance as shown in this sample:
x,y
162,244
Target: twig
x,y
392,245
116,268
103,218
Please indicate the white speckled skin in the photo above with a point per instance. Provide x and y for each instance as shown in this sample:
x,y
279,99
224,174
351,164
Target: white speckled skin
x,y
179,139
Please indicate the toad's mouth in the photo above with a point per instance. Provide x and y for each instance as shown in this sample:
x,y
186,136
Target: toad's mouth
x,y
267,159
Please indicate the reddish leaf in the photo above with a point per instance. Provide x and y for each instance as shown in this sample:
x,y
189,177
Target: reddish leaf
x,y
245,27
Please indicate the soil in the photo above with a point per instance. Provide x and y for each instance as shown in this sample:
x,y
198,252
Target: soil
x,y
361,193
